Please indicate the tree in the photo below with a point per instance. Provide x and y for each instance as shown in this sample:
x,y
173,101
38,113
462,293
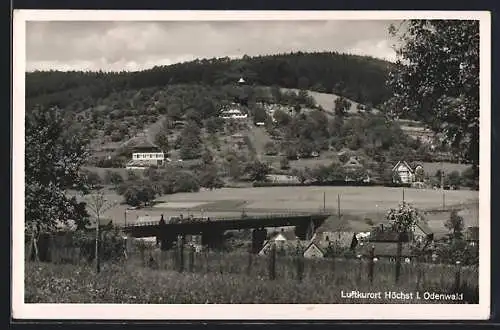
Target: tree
x,y
281,117
98,205
341,106
190,141
214,124
161,139
270,148
116,178
139,193
469,179
132,176
209,178
258,171
259,114
437,79
404,219
419,174
207,157
54,154
455,224
454,179
185,181
93,179
234,168
284,163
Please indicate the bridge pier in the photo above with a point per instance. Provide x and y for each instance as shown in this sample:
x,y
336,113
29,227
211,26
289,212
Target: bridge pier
x,y
258,237
214,239
167,242
305,231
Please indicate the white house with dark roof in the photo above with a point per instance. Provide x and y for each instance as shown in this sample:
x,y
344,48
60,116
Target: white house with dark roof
x,y
144,153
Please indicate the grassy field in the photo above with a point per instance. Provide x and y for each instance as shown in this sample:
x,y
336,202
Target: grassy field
x,y
228,279
327,100
432,168
356,204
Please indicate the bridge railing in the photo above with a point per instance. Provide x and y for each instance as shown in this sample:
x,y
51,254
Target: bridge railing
x,y
221,219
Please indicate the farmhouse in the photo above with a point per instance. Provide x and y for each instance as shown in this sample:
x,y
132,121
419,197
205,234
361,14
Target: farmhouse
x,y
144,153
355,171
285,242
313,250
386,250
323,241
404,173
421,234
233,113
472,236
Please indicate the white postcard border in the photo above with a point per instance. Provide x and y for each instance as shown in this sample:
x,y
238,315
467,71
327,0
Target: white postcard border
x,y
20,310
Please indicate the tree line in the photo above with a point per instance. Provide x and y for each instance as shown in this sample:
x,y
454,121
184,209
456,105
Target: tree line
x,y
356,77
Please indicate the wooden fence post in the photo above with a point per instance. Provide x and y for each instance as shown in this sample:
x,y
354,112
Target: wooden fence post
x,y
180,247
398,256
457,277
299,259
371,264
141,250
191,259
207,263
272,263
360,270
221,262
250,259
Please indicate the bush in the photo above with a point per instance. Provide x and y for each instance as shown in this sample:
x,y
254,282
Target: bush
x,y
284,163
139,193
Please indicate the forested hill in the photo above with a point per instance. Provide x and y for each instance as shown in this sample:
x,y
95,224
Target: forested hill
x,y
359,78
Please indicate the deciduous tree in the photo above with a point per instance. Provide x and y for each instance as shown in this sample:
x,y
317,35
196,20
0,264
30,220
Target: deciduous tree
x,y
437,79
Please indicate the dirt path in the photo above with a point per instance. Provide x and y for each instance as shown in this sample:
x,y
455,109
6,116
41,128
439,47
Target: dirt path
x,y
258,137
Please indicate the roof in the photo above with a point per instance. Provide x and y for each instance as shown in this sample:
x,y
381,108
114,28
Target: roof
x,y
342,238
288,235
313,244
424,227
402,162
353,163
385,249
386,236
287,246
140,142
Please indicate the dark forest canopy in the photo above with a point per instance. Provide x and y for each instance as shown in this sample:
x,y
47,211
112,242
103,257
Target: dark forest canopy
x,y
359,78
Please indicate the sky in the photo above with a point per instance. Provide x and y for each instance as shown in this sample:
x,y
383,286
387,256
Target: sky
x,y
133,46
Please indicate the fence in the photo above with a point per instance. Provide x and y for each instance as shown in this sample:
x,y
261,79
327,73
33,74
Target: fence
x,y
338,271
345,272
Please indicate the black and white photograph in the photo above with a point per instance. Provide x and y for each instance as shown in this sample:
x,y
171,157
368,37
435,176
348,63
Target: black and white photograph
x,y
251,165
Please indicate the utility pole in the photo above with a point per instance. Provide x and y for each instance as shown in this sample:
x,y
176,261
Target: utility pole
x,y
442,182
403,194
338,206
324,201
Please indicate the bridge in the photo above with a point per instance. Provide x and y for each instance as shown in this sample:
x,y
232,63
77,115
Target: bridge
x,y
212,229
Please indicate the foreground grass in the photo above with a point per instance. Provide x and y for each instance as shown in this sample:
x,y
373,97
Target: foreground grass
x,y
130,283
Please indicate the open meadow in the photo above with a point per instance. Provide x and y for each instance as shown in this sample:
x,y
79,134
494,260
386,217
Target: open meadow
x,y
356,204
